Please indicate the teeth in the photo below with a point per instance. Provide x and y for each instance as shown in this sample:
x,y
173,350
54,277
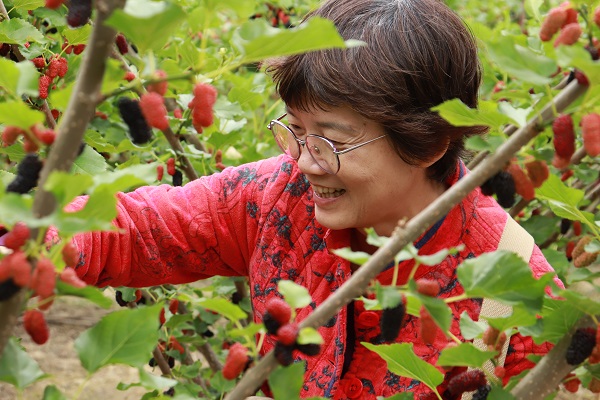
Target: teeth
x,y
326,192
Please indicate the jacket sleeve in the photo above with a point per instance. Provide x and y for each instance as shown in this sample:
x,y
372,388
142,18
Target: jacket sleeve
x,y
175,235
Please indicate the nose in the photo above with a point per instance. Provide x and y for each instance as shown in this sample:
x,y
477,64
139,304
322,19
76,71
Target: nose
x,y
307,164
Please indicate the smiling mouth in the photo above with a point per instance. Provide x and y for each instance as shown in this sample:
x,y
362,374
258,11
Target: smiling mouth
x,y
327,193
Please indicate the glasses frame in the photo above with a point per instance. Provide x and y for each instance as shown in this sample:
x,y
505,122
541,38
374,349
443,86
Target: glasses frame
x,y
302,143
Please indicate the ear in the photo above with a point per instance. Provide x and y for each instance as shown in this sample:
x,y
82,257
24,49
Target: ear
x,y
436,157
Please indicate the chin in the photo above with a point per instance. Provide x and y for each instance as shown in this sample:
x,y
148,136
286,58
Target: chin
x,y
331,222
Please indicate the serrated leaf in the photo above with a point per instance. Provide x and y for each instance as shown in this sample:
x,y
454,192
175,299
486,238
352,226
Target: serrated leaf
x,y
295,295
402,360
19,31
559,317
224,307
89,162
122,337
286,382
90,293
148,24
309,335
518,317
127,178
562,200
520,61
17,367
459,114
464,355
97,214
17,113
503,276
79,35
257,40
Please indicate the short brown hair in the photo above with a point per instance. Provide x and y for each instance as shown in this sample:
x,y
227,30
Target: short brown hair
x,y
418,54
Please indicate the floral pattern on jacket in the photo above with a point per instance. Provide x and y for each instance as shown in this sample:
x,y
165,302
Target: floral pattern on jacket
x,y
257,220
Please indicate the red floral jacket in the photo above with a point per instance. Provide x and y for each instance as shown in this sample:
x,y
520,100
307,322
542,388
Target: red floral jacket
x,y
257,220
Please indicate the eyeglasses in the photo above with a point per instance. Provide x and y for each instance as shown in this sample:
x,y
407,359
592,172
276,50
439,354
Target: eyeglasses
x,y
321,149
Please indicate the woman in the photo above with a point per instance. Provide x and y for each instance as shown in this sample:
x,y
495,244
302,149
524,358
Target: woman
x,y
362,150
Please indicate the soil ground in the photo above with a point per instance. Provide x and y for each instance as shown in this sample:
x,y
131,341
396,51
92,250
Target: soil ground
x,y
67,318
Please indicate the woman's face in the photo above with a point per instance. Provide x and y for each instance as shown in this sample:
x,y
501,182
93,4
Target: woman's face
x,y
373,187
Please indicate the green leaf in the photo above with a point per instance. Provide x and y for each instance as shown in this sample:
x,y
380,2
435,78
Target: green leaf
x,y
464,355
79,35
517,115
89,162
257,40
149,381
519,317
19,31
65,187
484,143
295,295
286,382
471,329
122,337
148,24
387,296
399,396
19,78
520,61
17,113
581,302
127,178
402,360
26,5
97,214
503,276
17,367
459,114
356,257
439,310
309,335
559,317
436,258
51,392
224,307
90,293
578,57
563,200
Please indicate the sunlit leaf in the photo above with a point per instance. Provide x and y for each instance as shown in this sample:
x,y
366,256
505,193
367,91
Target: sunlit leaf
x,y
224,307
459,114
464,355
295,295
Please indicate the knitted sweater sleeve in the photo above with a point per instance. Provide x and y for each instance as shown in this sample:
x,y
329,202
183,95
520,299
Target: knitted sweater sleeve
x,y
175,235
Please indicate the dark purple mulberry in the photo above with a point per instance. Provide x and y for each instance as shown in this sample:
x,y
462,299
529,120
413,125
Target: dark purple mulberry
x,y
582,344
130,111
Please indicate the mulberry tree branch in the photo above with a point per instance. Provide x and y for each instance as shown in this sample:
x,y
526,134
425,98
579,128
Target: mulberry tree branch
x,y
406,234
81,107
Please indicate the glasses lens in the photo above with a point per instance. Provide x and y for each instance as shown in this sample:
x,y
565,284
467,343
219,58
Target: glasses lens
x,y
323,153
286,140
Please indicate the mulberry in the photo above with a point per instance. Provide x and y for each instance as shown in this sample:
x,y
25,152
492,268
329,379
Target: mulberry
x,y
391,321
504,187
279,310
236,362
28,172
523,185
288,334
154,110
590,128
35,325
131,113
121,43
581,346
158,87
552,23
79,13
564,136
466,381
178,178
569,34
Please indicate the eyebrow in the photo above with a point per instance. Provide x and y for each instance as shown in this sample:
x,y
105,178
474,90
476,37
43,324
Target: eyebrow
x,y
336,126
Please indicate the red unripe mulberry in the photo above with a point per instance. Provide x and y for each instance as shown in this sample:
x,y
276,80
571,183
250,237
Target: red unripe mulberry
x,y
597,16
523,185
171,166
53,4
288,334
44,84
590,128
428,326
44,278
160,171
564,136
279,310
20,268
154,110
428,287
236,361
553,22
205,96
538,172
121,43
70,255
158,87
10,134
35,325
17,236
569,34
